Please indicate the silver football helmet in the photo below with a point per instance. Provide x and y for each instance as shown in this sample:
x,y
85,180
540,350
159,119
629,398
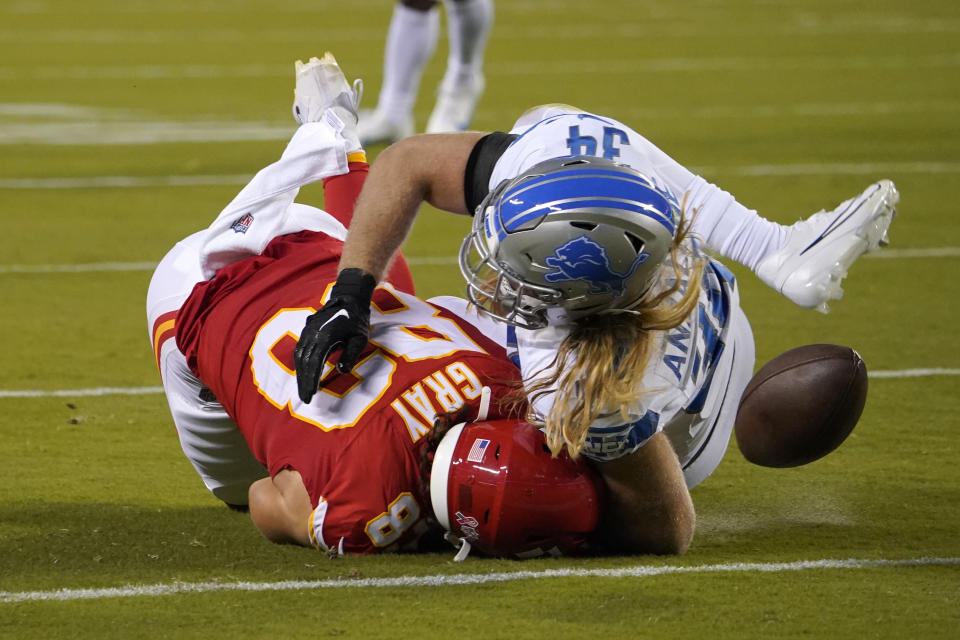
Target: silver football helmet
x,y
580,233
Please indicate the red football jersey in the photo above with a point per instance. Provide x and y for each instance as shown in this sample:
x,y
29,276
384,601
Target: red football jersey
x,y
358,443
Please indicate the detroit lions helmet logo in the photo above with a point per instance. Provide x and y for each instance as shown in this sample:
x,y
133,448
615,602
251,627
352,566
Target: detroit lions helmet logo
x,y
585,259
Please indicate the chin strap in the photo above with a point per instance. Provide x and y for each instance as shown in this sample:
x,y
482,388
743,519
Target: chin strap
x,y
462,544
484,409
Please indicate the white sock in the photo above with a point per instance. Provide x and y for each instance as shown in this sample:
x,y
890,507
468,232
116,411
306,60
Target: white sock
x,y
468,28
411,41
732,230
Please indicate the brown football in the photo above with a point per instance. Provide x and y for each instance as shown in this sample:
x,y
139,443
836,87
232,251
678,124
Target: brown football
x,y
801,405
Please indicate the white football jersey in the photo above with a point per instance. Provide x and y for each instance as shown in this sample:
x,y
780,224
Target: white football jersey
x,y
265,208
554,131
698,376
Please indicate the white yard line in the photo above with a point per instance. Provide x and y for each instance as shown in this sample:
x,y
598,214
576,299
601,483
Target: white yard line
x,y
451,580
99,133
414,261
37,7
504,31
914,373
932,252
124,182
95,267
829,169
57,111
80,393
50,123
539,68
761,170
143,391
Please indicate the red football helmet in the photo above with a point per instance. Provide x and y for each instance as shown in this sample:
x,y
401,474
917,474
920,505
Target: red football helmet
x,y
496,485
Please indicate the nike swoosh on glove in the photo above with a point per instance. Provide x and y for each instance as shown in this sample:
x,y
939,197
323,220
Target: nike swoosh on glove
x,y
342,323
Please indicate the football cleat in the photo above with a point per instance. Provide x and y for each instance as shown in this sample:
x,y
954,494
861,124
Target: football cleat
x,y
809,268
376,128
321,85
455,105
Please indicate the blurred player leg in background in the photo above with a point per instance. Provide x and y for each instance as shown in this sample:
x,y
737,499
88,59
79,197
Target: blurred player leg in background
x,y
468,26
411,41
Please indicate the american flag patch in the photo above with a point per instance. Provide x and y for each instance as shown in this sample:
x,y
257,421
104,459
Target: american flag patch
x,y
478,449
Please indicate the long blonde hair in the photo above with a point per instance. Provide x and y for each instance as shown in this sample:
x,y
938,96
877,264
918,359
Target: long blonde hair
x,y
599,366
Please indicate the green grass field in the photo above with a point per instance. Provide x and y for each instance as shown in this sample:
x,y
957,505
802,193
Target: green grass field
x,y
124,126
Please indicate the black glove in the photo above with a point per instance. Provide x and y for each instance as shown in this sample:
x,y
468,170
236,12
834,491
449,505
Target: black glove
x,y
344,322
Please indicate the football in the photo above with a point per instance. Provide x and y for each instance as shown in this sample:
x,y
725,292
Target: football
x,y
801,405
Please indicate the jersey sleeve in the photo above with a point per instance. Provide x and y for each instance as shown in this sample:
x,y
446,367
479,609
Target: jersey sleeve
x,y
264,208
371,509
553,131
480,164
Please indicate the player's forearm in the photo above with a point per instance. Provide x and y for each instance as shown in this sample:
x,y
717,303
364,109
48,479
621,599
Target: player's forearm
x,y
426,168
648,508
384,214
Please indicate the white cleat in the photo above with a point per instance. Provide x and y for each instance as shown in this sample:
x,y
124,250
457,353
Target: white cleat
x,y
320,86
376,128
809,268
455,105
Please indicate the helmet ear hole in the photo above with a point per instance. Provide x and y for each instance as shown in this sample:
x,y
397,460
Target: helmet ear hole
x,y
635,241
